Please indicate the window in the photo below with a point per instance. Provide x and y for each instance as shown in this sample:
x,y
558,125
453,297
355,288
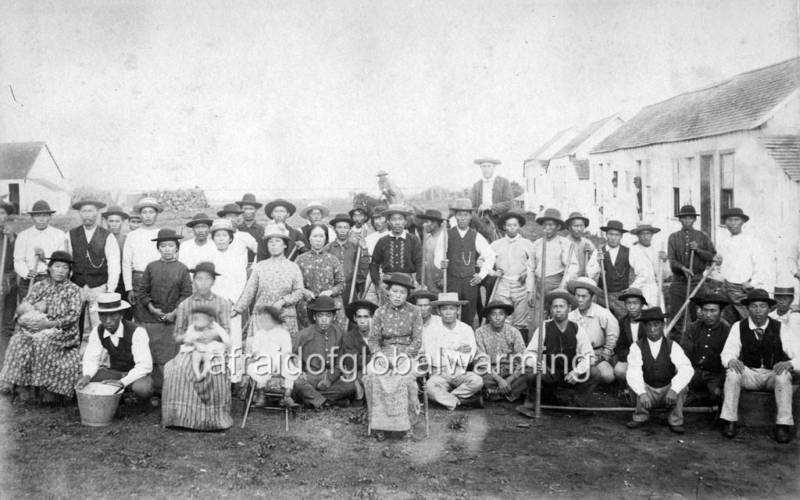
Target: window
x,y
676,186
726,168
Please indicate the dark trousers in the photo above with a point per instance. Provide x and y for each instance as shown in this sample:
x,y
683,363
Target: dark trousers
x,y
704,380
465,292
677,296
555,380
306,392
8,306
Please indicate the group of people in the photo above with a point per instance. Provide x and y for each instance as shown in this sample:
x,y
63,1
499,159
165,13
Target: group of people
x,y
383,302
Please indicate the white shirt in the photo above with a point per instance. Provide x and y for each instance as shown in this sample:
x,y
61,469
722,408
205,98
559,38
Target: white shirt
x,y
733,346
50,239
231,264
96,355
140,250
600,325
192,254
485,253
371,239
112,256
275,346
683,367
245,239
583,351
441,344
646,266
486,193
743,260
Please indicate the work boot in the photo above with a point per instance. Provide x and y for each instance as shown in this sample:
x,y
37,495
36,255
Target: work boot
x,y
728,428
783,433
677,429
288,402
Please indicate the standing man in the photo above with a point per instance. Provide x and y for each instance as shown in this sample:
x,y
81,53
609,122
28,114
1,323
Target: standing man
x,y
615,259
491,193
679,249
580,247
381,227
703,342
139,249
115,219
600,326
397,252
432,245
249,205
648,265
279,211
390,193
34,246
345,249
8,285
465,246
513,253
785,307
557,254
314,213
96,259
200,248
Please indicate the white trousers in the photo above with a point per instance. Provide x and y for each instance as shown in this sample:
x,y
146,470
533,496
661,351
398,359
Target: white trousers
x,y
758,379
463,386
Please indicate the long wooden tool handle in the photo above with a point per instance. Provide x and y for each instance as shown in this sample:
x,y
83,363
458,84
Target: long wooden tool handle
x,y
539,357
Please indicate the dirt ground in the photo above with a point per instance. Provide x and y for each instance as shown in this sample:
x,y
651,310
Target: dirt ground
x,y
47,453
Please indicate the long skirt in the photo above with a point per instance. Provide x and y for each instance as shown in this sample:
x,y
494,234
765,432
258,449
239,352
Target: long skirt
x,y
185,402
41,362
392,401
162,348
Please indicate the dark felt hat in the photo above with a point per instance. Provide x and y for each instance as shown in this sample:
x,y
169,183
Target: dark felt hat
x,y
323,303
205,267
550,214
734,212
652,314
687,211
249,199
632,293
399,279
577,215
229,208
341,218
41,207
560,293
422,294
512,215
497,304
167,234
81,203
710,298
613,225
363,210
280,202
200,218
354,306
116,210
431,214
758,295
60,256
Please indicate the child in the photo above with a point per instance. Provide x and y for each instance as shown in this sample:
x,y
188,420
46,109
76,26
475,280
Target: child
x,y
270,360
208,341
28,313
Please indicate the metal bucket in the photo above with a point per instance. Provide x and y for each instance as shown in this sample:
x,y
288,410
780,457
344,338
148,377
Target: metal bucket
x,y
97,410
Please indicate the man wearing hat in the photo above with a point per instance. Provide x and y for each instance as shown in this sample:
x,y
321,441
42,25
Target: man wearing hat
x,y
355,350
784,306
97,259
513,252
465,247
139,249
648,265
345,248
249,205
114,218
566,359
600,325
34,246
449,349
658,373
117,352
744,265
432,245
381,226
500,346
680,246
8,284
557,265
200,248
580,247
629,333
491,193
319,348
759,354
398,252
279,211
703,341
615,259
390,193
314,213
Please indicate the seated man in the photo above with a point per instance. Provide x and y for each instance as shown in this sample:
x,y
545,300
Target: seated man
x,y
566,356
703,342
500,348
271,364
629,333
355,351
759,354
424,300
449,348
318,349
658,373
118,351
600,325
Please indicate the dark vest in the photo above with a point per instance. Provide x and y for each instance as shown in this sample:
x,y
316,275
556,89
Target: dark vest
x,y
91,267
558,342
764,353
658,372
121,356
461,253
616,273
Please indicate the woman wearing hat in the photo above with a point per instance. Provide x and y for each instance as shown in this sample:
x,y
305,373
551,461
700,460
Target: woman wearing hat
x,y
323,274
139,249
49,363
314,213
279,212
34,245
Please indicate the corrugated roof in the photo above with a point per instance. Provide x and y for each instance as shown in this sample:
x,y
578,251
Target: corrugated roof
x,y
541,153
742,102
786,151
570,147
17,158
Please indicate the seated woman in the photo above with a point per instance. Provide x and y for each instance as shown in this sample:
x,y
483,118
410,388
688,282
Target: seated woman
x,y
189,401
394,342
270,362
43,354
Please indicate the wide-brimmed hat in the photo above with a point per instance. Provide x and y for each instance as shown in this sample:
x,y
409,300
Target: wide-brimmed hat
x,y
8,207
734,212
280,202
687,211
487,159
710,298
758,295
461,205
60,256
448,299
652,314
323,303
148,202
381,173
497,304
640,228
396,210
229,208
613,225
421,294
586,283
574,216
314,205
632,293
204,309
354,306
363,210
222,225
115,210
249,199
560,293
41,207
88,201
341,218
109,302
399,279
512,215
551,214
783,290
276,231
379,211
167,234
205,267
431,214
200,218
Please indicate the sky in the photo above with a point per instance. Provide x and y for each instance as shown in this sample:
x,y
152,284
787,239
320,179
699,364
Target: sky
x,y
305,98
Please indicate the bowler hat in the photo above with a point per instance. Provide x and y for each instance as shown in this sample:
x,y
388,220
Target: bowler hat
x,y
449,299
341,218
652,314
577,215
230,208
486,159
613,225
381,173
497,304
585,283
115,210
758,295
167,234
399,279
8,207
560,293
421,294
109,302
640,228
280,202
200,218
148,202
249,199
60,256
205,267
222,225
783,290
511,215
461,205
81,203
41,207
550,214
431,214
396,210
710,298
314,205
323,303
734,212
354,306
632,293
687,211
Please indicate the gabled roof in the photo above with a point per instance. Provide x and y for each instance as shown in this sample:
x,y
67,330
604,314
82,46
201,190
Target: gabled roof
x,y
582,136
785,149
17,158
742,102
544,153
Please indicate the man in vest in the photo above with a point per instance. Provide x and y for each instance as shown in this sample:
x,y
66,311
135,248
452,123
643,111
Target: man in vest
x,y
465,247
118,351
629,333
491,193
96,257
686,271
703,341
759,354
566,359
616,268
658,373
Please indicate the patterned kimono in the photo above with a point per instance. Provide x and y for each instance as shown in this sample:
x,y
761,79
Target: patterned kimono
x,y
321,271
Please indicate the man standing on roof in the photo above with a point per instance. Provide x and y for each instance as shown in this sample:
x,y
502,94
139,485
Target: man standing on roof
x,y
390,193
